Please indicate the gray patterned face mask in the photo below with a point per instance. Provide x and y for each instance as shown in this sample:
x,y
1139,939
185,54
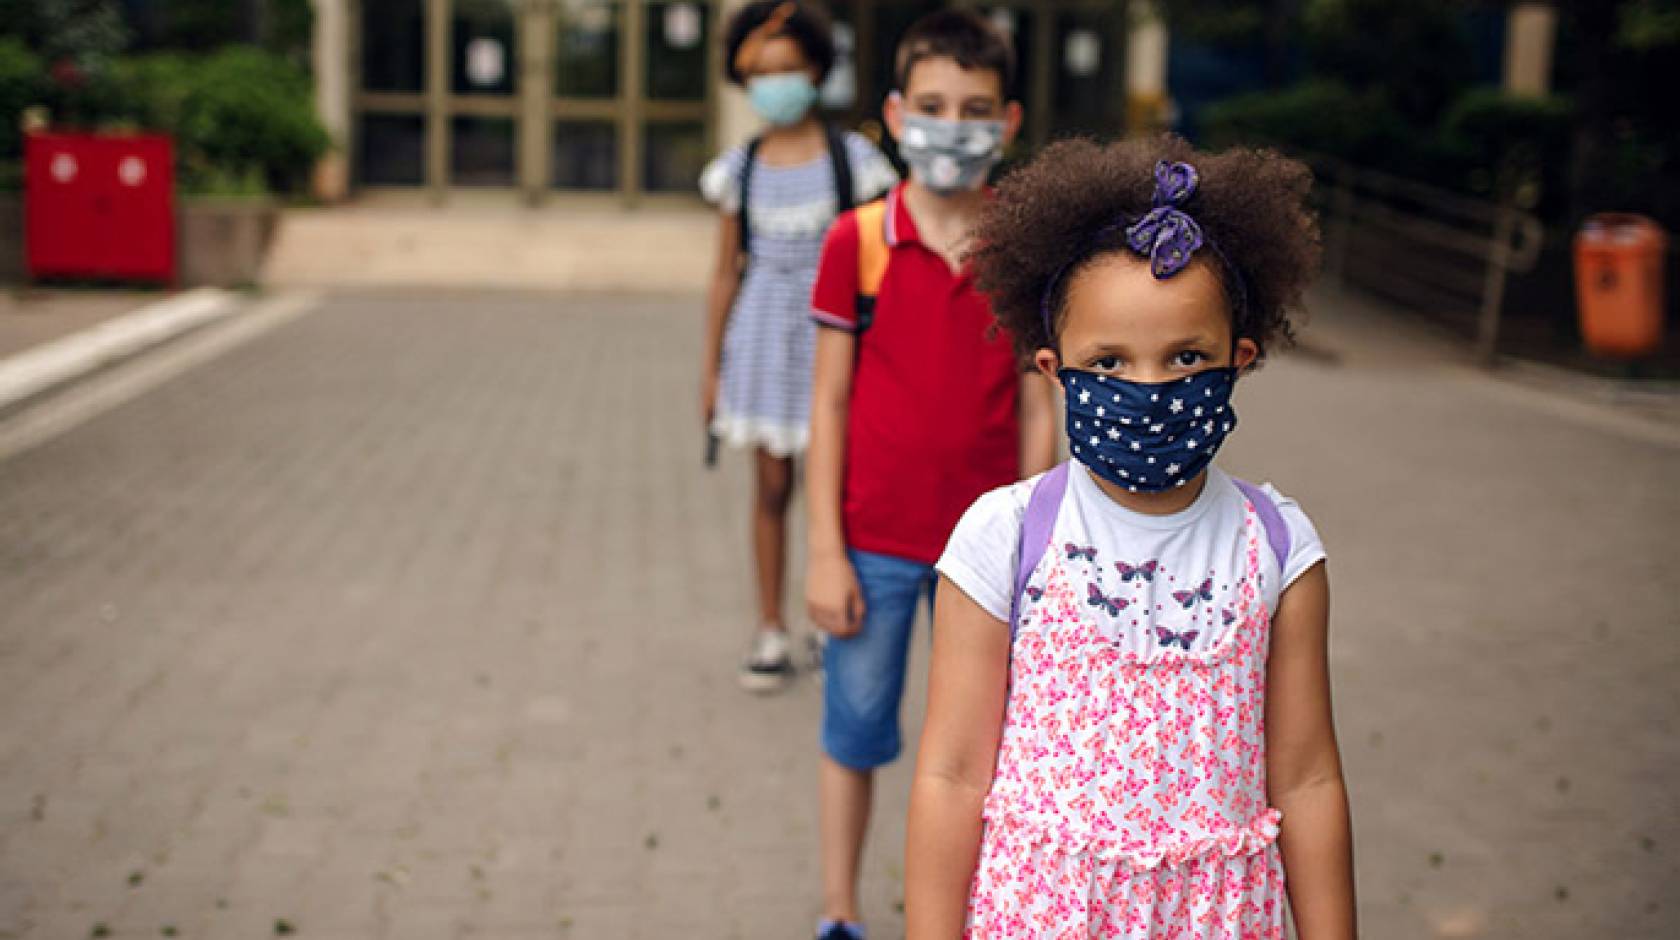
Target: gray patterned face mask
x,y
950,156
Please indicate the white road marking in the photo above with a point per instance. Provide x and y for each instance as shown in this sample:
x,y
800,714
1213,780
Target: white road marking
x,y
36,370
80,403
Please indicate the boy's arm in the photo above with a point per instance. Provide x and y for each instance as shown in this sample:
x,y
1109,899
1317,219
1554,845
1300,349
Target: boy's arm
x,y
1036,413
1303,766
967,688
720,297
832,596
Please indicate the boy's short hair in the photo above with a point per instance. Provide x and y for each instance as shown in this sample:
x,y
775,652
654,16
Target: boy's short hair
x,y
961,35
808,26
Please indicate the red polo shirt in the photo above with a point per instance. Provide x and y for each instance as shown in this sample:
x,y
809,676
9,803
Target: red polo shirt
x,y
932,421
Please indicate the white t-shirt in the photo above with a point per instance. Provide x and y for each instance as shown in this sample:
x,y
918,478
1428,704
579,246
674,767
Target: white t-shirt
x,y
1194,550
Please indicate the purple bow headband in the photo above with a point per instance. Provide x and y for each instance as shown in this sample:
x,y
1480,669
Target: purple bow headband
x,y
1166,235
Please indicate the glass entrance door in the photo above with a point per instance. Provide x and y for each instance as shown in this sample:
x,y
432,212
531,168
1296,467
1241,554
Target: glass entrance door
x,y
542,96
1069,57
588,83
484,79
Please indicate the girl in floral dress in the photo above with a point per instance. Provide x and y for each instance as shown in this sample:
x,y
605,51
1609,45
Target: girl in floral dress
x,y
1129,729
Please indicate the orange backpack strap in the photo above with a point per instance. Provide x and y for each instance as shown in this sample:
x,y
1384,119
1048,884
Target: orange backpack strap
x,y
872,258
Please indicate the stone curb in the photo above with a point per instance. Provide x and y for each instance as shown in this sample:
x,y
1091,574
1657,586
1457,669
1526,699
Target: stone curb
x,y
43,367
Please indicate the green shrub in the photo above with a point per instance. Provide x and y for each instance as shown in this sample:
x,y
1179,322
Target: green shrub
x,y
1514,148
22,85
282,26
156,89
235,114
251,109
1417,52
1320,116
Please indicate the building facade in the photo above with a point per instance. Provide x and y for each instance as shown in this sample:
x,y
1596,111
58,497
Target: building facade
x,y
623,100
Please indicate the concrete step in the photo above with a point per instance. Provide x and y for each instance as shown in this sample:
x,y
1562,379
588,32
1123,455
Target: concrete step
x,y
478,243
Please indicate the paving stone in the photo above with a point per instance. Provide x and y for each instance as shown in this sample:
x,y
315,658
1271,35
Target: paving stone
x,y
428,582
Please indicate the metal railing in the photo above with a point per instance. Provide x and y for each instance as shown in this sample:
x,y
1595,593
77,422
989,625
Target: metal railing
x,y
1425,247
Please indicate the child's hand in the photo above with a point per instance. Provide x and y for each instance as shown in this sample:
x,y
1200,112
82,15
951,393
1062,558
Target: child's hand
x,y
708,396
832,596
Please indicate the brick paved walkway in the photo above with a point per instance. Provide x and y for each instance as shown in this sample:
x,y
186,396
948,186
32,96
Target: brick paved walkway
x,y
408,618
416,618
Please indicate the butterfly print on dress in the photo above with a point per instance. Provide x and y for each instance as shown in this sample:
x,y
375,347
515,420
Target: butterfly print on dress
x,y
1188,598
1167,637
1143,572
1095,597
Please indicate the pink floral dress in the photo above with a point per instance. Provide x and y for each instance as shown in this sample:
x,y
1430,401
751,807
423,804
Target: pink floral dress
x,y
1129,798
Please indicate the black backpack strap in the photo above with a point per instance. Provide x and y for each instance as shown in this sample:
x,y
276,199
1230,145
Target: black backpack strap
x,y
744,187
842,166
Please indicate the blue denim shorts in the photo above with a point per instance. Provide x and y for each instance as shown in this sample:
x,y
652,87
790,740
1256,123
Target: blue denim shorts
x,y
863,681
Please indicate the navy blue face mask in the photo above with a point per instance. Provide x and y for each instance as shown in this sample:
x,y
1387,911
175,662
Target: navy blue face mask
x,y
1148,437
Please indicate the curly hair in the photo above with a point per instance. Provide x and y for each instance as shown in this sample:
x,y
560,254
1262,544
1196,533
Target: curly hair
x,y
808,25
1251,204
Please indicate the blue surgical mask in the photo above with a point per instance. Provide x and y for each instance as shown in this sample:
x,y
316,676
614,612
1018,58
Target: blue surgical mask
x,y
1148,437
782,98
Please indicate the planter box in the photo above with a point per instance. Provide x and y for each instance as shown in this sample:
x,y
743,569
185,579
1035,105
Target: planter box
x,y
223,241
220,242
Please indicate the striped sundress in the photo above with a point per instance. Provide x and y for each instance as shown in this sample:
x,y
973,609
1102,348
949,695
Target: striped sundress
x,y
764,391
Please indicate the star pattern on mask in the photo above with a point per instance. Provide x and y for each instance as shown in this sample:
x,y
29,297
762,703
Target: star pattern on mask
x,y
1168,440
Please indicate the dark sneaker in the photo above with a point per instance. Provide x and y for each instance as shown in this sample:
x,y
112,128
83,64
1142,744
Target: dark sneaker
x,y
769,665
839,930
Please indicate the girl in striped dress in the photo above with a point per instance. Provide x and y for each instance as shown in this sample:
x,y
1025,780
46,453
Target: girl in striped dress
x,y
756,370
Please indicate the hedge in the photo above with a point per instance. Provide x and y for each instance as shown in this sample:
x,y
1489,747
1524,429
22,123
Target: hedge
x,y
243,119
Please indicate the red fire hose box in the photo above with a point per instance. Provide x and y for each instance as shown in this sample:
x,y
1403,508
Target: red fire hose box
x,y
100,205
1619,284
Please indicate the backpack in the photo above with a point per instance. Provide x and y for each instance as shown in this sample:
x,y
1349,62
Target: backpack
x,y
837,158
872,258
1045,504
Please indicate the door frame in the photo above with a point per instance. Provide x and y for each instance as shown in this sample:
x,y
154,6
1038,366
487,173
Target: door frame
x,y
1036,73
535,105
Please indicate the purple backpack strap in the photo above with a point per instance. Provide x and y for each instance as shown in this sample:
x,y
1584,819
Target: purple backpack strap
x,y
1042,507
1277,531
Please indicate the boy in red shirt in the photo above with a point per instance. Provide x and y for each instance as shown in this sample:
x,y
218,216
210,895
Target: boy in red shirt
x,y
918,407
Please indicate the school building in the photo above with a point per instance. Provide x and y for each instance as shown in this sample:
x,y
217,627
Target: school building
x,y
623,99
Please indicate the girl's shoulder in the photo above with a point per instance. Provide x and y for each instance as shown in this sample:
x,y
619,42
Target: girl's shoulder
x,y
860,147
992,523
872,173
1006,503
983,550
720,181
1305,545
1287,506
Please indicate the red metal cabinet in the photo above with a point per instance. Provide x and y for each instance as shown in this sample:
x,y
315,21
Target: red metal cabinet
x,y
98,205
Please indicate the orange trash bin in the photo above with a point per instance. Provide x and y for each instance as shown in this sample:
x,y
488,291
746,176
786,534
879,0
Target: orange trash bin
x,y
1619,284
